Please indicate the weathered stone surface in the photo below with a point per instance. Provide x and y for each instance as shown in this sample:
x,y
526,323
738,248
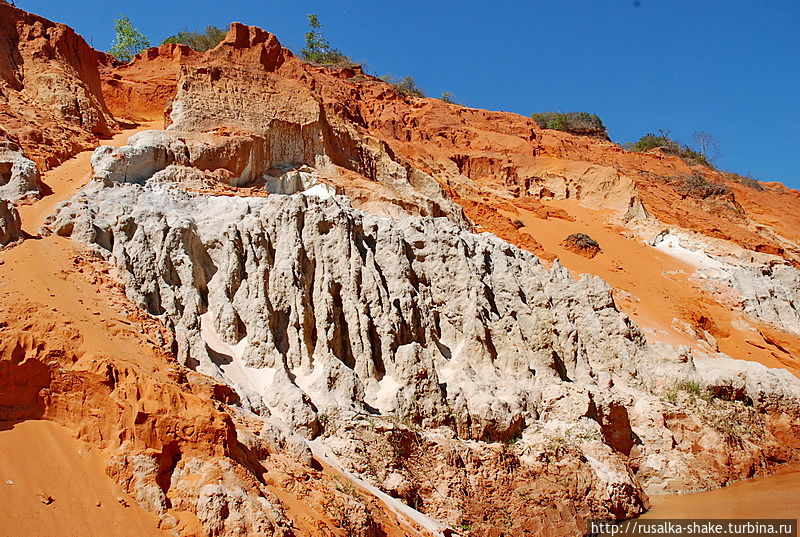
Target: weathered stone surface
x,y
770,293
49,88
19,177
319,314
10,224
357,303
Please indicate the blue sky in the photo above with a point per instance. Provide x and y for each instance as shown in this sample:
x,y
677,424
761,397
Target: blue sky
x,y
731,68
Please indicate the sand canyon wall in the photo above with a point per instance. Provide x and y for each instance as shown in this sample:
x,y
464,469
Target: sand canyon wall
x,y
347,316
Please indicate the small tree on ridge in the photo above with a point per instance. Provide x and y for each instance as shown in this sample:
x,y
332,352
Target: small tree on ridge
x,y
199,41
318,50
128,41
708,145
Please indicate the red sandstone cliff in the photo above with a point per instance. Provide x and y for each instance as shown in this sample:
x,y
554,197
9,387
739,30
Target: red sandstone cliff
x,y
75,351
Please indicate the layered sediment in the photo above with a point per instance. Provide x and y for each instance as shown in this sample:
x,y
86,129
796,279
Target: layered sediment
x,y
312,304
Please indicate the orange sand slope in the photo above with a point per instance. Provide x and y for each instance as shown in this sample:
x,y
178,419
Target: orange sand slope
x,y
64,312
655,288
53,484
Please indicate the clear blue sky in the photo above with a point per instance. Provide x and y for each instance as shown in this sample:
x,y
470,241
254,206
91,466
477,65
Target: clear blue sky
x,y
728,67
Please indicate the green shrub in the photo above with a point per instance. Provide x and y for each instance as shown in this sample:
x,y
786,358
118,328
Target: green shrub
x,y
199,41
580,123
689,386
318,51
128,41
406,86
668,145
447,96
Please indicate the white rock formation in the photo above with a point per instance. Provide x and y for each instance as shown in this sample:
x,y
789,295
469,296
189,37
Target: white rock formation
x,y
770,293
19,176
149,152
417,316
318,314
767,287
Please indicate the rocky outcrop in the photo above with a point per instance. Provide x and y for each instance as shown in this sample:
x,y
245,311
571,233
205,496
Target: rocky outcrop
x,y
770,293
764,286
19,176
143,88
336,307
321,317
297,126
390,315
10,224
177,441
238,159
49,88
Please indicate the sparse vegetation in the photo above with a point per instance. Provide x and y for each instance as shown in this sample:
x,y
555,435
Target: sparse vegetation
x,y
199,41
580,123
402,421
554,449
708,145
464,526
318,51
690,387
447,96
406,85
668,145
129,41
735,422
747,180
698,186
583,241
330,420
693,389
724,410
347,487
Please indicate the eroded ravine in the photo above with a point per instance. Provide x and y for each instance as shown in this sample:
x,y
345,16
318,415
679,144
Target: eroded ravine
x,y
105,374
282,315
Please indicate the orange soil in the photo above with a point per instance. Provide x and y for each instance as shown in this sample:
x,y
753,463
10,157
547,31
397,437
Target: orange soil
x,y
660,284
45,273
69,317
50,287
40,459
62,182
142,89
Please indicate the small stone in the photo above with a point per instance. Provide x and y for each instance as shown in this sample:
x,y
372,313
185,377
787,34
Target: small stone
x,y
9,482
46,499
122,501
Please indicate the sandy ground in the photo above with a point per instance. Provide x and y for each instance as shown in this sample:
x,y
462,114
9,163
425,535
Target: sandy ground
x,y
651,286
762,497
67,178
44,273
52,485
44,458
45,278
